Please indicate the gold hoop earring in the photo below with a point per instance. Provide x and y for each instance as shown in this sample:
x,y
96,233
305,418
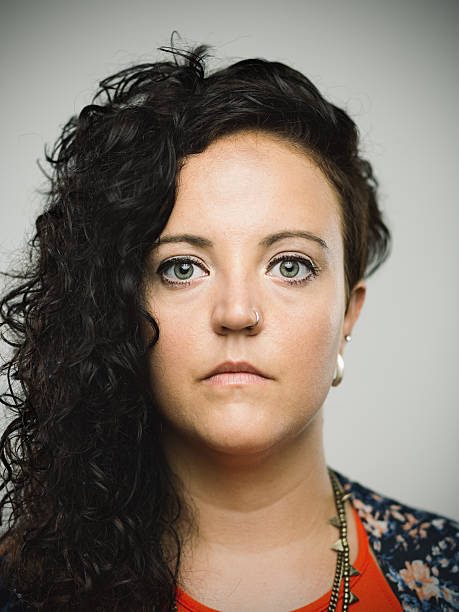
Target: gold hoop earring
x,y
339,372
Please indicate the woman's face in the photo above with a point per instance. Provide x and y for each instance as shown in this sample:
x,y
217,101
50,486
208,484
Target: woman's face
x,y
239,192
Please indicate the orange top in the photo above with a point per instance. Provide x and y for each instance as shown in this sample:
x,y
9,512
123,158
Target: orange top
x,y
370,586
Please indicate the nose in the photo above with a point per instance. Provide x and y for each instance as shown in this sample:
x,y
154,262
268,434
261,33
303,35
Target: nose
x,y
235,306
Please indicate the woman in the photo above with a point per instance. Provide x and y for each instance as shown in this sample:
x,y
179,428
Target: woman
x,y
196,274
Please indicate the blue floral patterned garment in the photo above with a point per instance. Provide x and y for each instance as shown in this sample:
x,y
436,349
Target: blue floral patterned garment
x,y
417,551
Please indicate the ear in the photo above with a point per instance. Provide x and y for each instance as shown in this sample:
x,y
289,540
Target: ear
x,y
356,299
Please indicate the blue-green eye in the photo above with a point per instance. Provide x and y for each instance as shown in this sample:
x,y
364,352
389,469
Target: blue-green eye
x,y
182,267
295,269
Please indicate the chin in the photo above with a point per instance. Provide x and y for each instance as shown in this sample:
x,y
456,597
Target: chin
x,y
242,439
241,447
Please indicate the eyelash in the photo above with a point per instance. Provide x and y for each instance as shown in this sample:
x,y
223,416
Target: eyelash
x,y
314,270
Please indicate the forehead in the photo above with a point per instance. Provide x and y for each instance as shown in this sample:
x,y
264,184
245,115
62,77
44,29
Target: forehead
x,y
251,183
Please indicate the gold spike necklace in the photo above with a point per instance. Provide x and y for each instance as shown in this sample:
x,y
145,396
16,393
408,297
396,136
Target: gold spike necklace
x,y
344,569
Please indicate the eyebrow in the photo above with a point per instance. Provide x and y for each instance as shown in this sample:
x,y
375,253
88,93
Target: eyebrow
x,y
267,241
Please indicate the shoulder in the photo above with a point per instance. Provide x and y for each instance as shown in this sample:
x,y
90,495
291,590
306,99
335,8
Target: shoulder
x,y
9,602
418,550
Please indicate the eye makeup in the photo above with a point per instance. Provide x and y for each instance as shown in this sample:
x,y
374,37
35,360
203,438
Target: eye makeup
x,y
313,269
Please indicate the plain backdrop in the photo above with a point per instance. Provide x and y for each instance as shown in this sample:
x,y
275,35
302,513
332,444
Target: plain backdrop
x,y
393,422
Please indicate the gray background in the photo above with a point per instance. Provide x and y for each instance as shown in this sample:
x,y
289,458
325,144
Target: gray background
x,y
393,423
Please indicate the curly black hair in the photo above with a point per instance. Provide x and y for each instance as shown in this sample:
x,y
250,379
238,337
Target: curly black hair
x,y
92,505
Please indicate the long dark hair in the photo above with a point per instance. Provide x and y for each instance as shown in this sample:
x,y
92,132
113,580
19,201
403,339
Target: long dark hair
x,y
92,506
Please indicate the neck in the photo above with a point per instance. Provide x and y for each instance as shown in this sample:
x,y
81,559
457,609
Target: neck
x,y
255,501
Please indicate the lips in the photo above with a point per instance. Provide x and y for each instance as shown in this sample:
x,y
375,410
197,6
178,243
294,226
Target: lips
x,y
236,366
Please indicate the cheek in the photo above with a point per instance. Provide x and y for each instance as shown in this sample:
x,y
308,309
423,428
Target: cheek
x,y
172,358
308,341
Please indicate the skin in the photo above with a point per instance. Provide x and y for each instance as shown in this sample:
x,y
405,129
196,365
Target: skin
x,y
250,457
